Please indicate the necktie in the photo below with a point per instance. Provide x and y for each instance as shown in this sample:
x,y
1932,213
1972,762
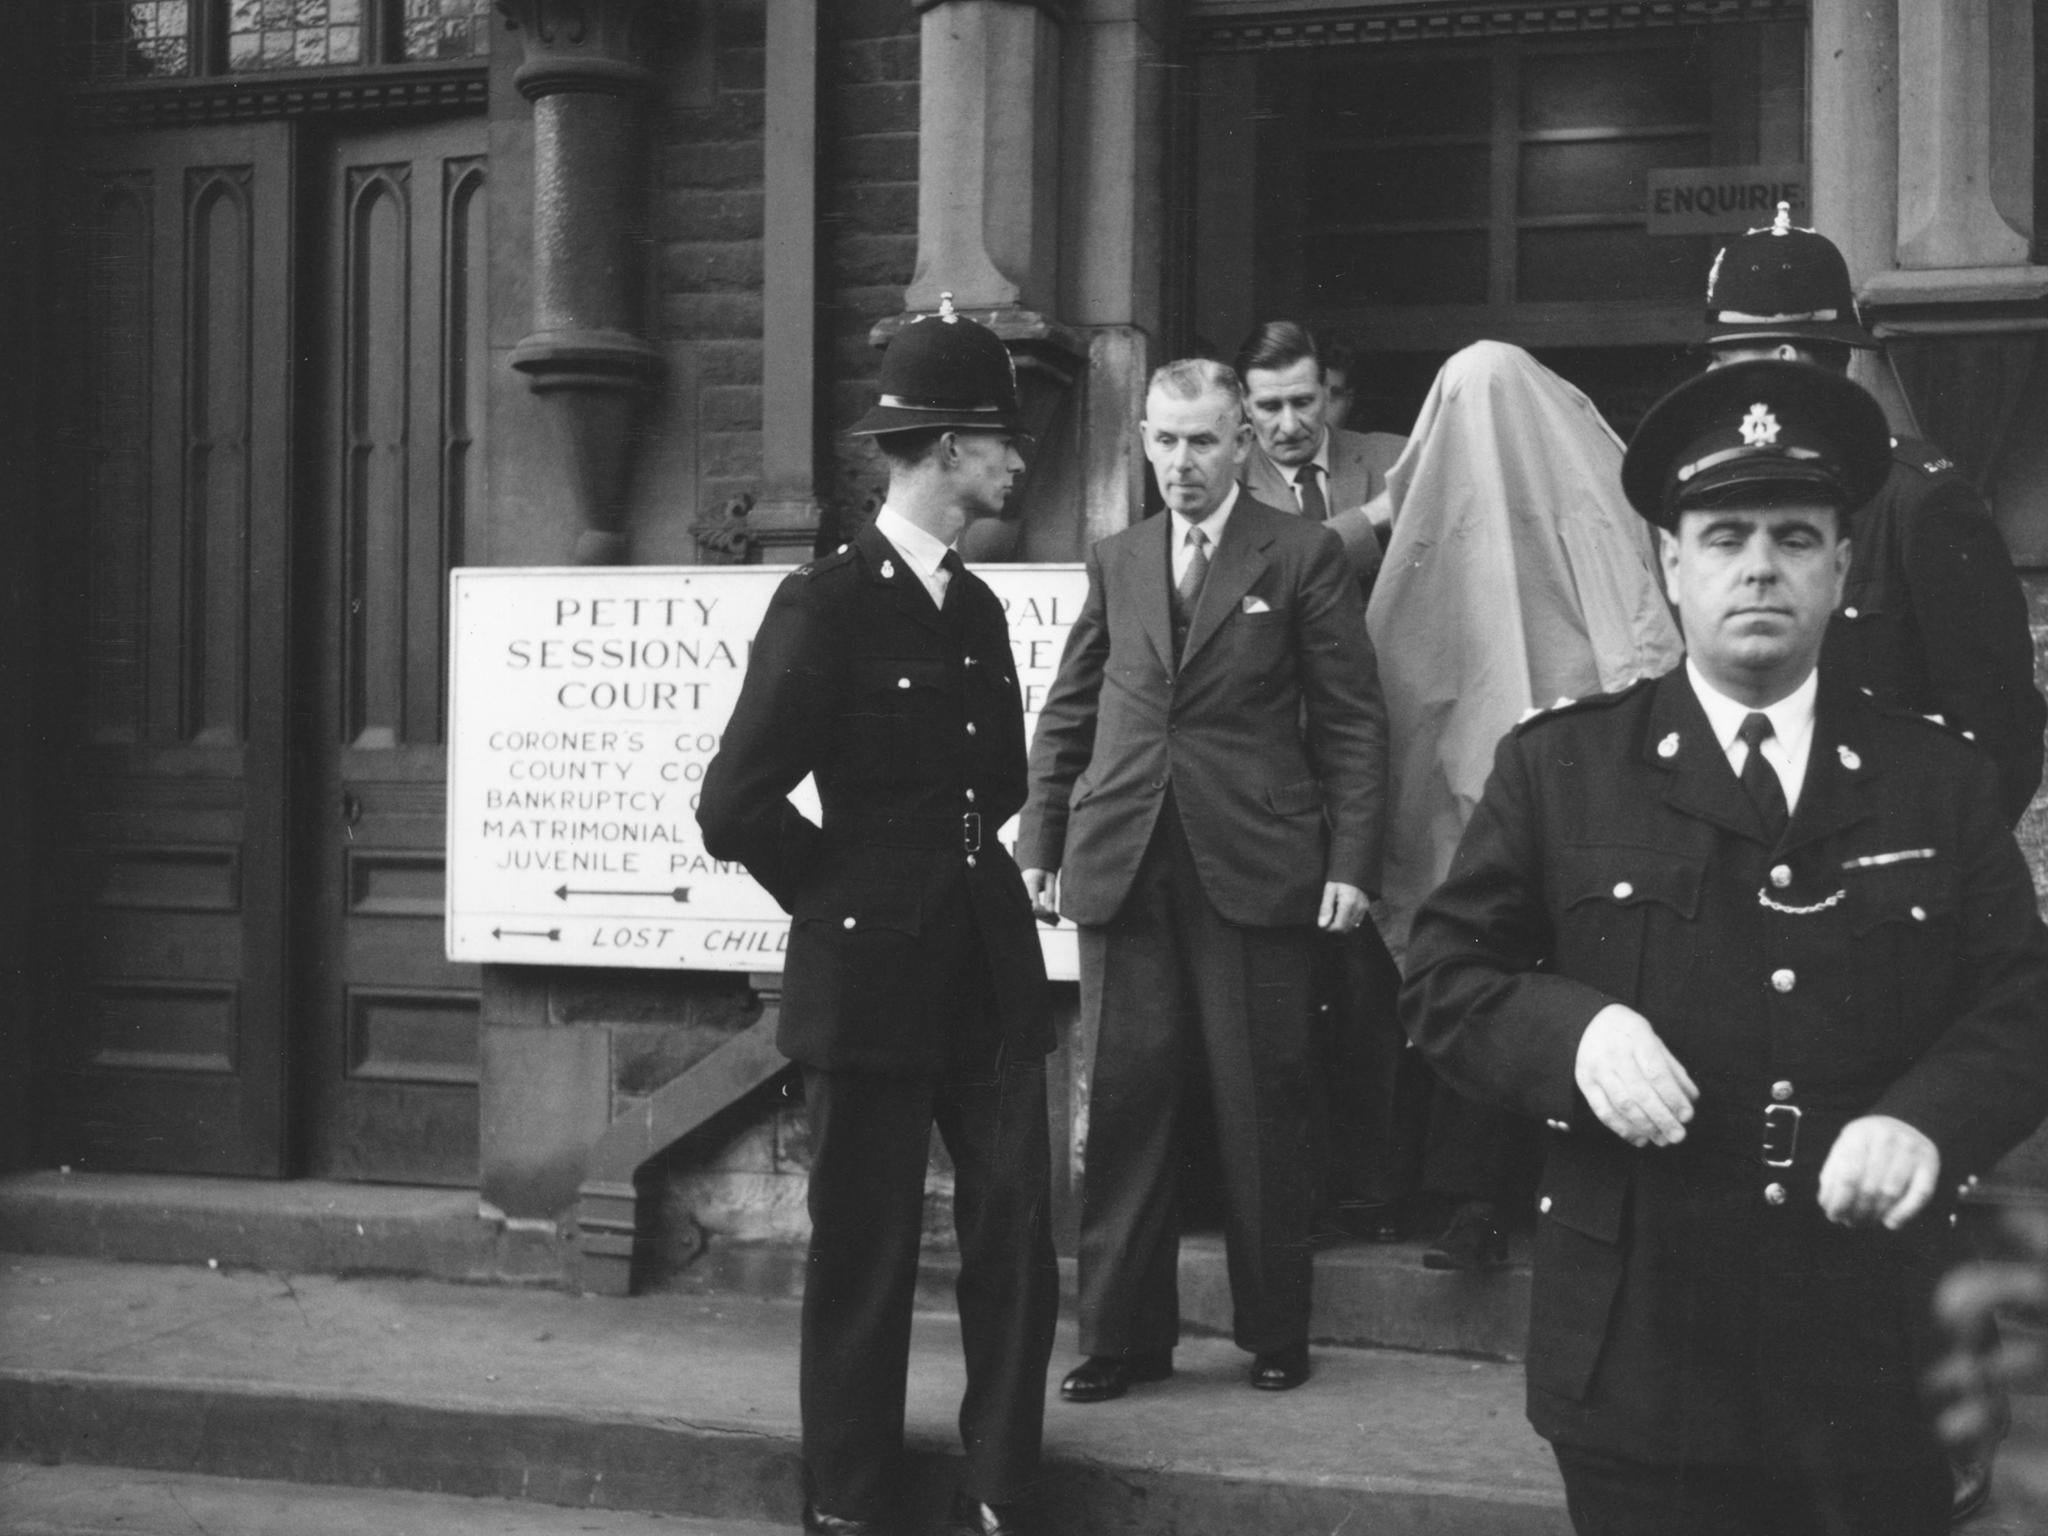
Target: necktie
x,y
1309,482
1190,584
950,564
1760,779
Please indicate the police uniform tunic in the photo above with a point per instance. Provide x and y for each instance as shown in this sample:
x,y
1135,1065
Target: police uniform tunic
x,y
914,995
1933,619
1691,1303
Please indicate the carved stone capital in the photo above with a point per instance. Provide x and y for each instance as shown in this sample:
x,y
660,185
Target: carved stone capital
x,y
606,46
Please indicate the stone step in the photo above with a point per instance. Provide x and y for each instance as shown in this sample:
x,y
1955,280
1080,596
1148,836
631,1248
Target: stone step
x,y
1367,1294
114,1501
686,1405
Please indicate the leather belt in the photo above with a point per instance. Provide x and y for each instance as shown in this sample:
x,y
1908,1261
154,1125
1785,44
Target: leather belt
x,y
962,832
1774,1136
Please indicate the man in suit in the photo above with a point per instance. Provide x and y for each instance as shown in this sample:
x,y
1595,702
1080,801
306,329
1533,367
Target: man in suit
x,y
1765,957
1205,794
914,990
1932,616
1300,462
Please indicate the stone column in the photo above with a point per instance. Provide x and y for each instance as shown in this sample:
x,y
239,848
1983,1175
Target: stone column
x,y
588,73
988,207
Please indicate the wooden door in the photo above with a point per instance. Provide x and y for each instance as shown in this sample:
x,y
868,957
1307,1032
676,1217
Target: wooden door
x,y
171,660
392,1025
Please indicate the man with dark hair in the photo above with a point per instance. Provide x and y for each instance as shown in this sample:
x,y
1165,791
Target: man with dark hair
x,y
1932,617
1301,463
1765,957
1206,793
914,991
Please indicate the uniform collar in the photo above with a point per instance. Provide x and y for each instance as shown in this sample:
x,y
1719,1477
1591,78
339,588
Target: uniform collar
x,y
921,549
1791,717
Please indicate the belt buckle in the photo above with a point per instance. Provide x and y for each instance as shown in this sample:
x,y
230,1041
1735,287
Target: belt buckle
x,y
970,832
1781,1134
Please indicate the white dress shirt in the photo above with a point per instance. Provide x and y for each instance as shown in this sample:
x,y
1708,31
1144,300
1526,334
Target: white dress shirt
x,y
921,551
1791,738
1212,530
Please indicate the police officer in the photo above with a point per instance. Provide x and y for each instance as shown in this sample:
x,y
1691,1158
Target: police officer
x,y
1764,956
914,991
1932,617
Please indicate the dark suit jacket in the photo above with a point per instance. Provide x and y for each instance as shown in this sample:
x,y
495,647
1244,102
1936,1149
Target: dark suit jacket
x,y
911,721
1359,462
1271,731
1885,957
1933,618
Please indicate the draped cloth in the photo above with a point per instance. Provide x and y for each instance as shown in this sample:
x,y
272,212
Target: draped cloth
x,y
1517,575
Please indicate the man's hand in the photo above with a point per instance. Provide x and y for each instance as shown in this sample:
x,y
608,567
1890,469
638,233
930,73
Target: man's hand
x,y
1343,907
1879,1169
1637,1087
1042,886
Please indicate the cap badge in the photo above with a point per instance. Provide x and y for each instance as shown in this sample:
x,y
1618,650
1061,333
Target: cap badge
x,y
1760,427
1668,747
1849,759
946,305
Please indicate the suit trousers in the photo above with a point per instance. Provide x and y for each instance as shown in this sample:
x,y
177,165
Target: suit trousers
x,y
1171,992
1615,1496
870,1148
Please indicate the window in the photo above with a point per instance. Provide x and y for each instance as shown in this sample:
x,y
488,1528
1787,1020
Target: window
x,y
116,40
1414,196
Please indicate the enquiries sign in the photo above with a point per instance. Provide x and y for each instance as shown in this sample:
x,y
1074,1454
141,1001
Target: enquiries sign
x,y
585,705
1724,199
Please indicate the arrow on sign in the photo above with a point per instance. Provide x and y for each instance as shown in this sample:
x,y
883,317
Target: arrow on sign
x,y
552,935
679,894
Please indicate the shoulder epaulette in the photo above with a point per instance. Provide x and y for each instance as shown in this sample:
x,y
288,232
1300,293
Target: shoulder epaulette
x,y
837,560
1538,714
1939,723
1923,456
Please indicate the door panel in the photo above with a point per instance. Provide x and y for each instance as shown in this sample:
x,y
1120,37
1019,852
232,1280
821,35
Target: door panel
x,y
393,1053
171,952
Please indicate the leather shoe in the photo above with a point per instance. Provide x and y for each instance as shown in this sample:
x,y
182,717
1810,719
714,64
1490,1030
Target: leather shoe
x,y
1280,1370
1473,1240
1100,1378
971,1517
816,1520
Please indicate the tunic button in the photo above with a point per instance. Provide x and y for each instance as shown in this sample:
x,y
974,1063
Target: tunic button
x,y
848,923
970,727
1781,875
1543,1205
1783,980
1848,613
970,861
1774,1194
970,797
1781,1091
902,682
1623,890
1919,914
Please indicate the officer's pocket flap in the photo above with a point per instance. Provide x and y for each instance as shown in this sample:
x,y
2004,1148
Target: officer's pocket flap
x,y
1584,1191
1296,799
1623,876
1909,894
861,909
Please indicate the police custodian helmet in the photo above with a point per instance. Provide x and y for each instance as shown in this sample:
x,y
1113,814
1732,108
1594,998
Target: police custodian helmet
x,y
944,371
1753,433
1780,283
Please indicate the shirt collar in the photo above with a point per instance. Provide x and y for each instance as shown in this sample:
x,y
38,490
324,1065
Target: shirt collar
x,y
1321,459
1211,526
921,549
1791,717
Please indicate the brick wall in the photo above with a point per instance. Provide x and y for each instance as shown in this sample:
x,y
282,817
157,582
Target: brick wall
x,y
743,1178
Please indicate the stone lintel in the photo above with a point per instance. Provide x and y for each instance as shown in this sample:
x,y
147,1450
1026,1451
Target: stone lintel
x,y
1956,301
